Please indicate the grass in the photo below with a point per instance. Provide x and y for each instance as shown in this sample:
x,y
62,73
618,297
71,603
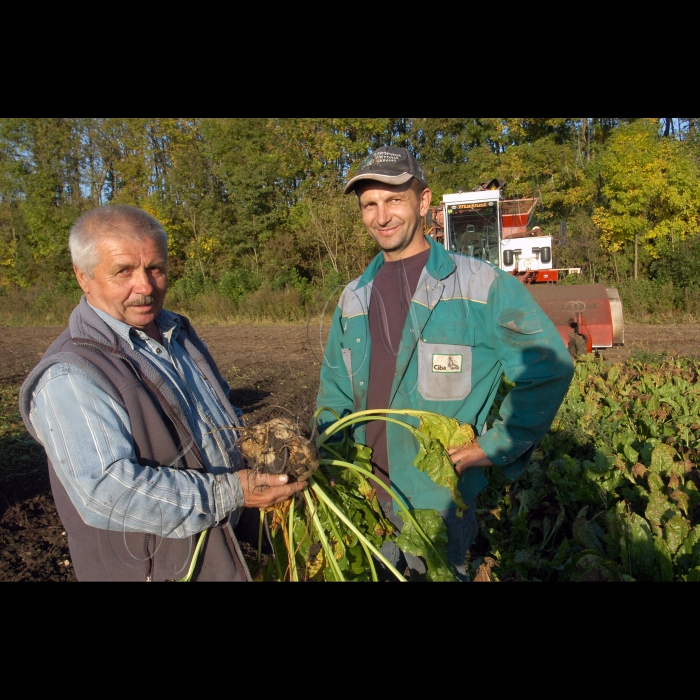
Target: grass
x,y
37,307
644,301
263,305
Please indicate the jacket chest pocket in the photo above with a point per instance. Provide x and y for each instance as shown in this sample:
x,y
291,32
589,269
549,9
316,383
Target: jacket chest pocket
x,y
445,362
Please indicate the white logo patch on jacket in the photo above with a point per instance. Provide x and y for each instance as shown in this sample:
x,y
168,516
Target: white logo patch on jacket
x,y
447,364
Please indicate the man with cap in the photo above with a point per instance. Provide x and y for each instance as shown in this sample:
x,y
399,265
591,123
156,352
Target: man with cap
x,y
428,329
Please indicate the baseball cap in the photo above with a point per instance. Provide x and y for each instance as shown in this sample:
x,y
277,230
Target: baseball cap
x,y
393,166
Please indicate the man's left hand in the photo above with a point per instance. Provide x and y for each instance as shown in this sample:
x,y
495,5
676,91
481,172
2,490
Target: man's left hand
x,y
469,455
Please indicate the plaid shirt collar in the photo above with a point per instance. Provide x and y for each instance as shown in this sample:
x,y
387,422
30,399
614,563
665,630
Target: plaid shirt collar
x,y
168,324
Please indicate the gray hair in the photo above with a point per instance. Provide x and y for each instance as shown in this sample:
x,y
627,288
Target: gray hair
x,y
110,221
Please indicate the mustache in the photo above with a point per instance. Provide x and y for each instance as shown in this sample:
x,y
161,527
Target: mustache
x,y
140,301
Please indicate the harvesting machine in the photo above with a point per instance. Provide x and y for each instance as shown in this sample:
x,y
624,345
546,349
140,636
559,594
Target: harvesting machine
x,y
485,225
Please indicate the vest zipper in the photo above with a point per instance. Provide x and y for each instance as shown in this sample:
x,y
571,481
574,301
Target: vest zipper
x,y
120,356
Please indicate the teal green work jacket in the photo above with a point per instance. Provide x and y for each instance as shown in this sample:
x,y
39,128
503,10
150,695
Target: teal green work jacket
x,y
467,325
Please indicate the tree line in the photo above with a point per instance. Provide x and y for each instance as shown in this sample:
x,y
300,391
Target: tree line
x,y
249,203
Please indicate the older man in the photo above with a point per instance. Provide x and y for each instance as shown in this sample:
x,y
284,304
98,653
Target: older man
x,y
431,330
136,422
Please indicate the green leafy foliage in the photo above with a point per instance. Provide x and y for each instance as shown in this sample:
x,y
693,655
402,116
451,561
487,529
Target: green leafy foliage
x,y
611,493
322,544
412,542
679,265
435,436
352,493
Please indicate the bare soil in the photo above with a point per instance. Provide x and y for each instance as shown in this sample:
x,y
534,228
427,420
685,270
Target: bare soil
x,y
682,339
268,367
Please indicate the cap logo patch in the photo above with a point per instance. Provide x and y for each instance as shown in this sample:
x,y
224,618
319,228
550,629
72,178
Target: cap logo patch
x,y
389,165
381,157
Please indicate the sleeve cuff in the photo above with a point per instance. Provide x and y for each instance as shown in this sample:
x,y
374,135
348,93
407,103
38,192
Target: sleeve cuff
x,y
228,495
504,451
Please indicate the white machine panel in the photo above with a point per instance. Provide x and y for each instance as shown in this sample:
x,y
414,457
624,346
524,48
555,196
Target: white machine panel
x,y
526,253
464,197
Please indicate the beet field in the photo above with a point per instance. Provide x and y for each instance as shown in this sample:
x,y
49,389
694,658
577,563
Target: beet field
x,y
611,493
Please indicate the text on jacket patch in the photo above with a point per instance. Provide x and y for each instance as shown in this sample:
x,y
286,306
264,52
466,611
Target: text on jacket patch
x,y
447,363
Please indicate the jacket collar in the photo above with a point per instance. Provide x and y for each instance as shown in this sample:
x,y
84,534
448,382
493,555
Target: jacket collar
x,y
440,264
85,323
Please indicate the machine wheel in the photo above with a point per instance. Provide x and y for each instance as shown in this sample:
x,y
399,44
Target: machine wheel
x,y
577,345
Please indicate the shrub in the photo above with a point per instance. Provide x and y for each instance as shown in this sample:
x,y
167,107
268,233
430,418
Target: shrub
x,y
650,300
679,265
36,306
237,283
186,288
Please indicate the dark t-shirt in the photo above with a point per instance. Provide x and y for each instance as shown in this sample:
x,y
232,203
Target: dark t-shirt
x,y
392,290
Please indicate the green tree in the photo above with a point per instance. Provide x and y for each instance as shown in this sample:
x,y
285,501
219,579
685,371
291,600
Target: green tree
x,y
41,195
651,190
